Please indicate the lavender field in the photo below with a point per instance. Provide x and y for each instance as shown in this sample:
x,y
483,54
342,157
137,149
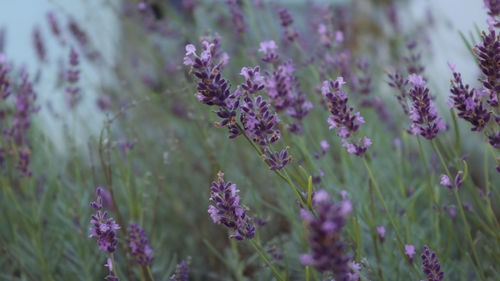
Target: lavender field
x,y
250,140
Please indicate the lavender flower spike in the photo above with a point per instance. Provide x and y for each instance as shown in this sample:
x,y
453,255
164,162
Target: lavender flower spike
x,y
343,117
325,229
226,210
431,266
422,112
181,272
139,245
103,227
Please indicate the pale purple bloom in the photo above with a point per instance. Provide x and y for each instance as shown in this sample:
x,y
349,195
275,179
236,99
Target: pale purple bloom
x,y
445,181
410,252
381,233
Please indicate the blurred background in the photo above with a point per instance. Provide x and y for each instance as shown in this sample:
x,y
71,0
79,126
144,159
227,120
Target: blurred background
x,y
135,127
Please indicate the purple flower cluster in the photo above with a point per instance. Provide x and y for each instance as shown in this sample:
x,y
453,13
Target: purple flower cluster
x,y
212,89
257,119
268,48
325,230
39,44
468,102
181,272
493,7
286,21
431,266
72,77
54,27
445,180
488,56
103,227
283,89
139,245
226,209
413,60
19,117
343,117
237,16
426,121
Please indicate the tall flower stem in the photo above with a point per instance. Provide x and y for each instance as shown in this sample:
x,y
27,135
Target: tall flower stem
x,y
389,216
266,260
461,209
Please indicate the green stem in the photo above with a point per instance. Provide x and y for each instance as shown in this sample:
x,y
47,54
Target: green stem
x,y
263,256
461,209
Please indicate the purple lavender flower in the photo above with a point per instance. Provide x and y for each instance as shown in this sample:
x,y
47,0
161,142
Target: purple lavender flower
x,y
212,89
343,117
493,7
5,89
488,55
325,230
410,252
39,44
445,181
397,81
254,81
78,34
381,233
413,63
259,121
181,272
237,16
226,209
286,21
24,100
73,76
469,103
139,245
285,17
103,228
54,26
268,48
431,266
422,112
283,89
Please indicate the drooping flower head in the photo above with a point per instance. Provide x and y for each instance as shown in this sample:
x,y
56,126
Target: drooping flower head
x,y
423,113
139,245
431,266
343,118
225,209
325,230
103,227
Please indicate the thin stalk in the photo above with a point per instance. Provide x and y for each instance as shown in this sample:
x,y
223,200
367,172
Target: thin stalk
x,y
461,209
263,256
